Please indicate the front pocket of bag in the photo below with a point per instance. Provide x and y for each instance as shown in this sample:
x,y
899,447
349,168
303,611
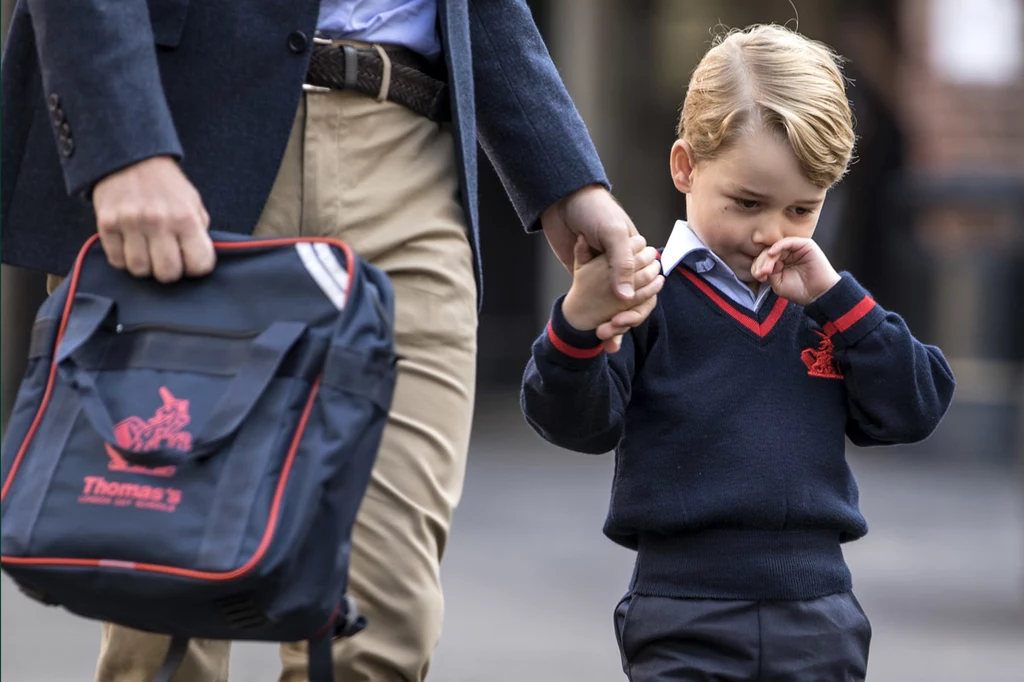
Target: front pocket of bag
x,y
99,506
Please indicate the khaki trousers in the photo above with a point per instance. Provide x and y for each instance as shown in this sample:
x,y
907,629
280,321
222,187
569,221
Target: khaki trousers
x,y
383,179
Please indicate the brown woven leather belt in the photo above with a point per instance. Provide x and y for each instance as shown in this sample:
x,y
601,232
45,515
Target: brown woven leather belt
x,y
344,67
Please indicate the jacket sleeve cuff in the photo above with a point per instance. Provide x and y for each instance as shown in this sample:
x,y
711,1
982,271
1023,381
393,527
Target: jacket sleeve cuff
x,y
564,343
846,311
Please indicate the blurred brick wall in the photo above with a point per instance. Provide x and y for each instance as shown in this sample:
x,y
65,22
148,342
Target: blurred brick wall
x,y
956,125
966,144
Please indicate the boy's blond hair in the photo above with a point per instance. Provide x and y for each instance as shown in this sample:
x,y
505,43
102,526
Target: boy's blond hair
x,y
770,76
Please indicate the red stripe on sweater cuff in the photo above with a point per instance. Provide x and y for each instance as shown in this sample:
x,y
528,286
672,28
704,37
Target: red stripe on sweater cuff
x,y
856,314
572,351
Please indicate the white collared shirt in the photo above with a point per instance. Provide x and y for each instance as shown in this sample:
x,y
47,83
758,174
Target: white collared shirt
x,y
410,23
685,247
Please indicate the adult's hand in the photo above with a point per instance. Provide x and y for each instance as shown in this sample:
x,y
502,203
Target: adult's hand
x,y
594,213
151,221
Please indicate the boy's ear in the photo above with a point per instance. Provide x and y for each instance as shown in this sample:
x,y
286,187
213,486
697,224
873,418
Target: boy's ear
x,y
681,160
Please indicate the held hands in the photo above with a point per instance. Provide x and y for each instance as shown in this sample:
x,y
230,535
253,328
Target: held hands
x,y
796,269
151,221
593,213
590,303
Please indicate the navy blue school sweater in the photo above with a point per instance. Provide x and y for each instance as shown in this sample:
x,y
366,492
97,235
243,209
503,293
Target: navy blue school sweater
x,y
729,430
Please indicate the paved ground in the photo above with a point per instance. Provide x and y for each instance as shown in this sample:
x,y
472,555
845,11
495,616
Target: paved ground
x,y
531,582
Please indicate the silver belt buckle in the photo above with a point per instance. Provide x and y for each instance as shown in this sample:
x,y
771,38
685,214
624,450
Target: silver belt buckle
x,y
306,87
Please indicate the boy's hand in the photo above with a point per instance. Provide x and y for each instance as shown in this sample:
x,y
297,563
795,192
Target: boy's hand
x,y
796,269
590,301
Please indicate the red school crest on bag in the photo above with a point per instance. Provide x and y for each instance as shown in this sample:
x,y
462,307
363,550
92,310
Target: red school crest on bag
x,y
162,429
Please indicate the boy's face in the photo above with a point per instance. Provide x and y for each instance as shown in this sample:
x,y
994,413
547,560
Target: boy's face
x,y
747,198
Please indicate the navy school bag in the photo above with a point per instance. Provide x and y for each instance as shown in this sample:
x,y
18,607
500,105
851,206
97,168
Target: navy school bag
x,y
188,459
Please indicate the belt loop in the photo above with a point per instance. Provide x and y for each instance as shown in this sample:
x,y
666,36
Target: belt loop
x,y
385,79
351,66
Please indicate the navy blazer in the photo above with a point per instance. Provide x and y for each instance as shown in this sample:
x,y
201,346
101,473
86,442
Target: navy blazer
x,y
92,86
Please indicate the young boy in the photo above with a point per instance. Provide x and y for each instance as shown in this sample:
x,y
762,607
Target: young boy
x,y
728,409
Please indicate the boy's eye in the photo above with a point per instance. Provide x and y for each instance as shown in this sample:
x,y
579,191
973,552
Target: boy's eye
x,y
801,211
747,204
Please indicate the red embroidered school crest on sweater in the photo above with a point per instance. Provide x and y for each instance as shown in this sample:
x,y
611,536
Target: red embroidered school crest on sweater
x,y
820,361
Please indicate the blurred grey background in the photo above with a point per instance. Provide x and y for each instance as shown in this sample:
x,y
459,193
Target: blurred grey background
x,y
930,218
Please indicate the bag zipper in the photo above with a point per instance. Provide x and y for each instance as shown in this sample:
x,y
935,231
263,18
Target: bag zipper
x,y
185,329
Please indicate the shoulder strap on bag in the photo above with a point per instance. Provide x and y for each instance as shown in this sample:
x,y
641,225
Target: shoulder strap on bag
x,y
172,661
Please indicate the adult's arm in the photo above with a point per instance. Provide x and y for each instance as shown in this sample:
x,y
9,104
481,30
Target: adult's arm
x,y
537,141
115,135
101,80
526,122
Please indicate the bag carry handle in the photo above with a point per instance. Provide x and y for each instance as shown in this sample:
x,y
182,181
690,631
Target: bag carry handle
x,y
268,350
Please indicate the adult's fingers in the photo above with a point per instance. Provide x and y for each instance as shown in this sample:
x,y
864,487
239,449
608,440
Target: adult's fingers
x,y
646,260
151,218
637,243
621,260
649,290
136,253
165,256
113,246
644,277
198,254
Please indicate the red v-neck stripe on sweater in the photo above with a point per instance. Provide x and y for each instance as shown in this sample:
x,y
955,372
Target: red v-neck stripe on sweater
x,y
761,329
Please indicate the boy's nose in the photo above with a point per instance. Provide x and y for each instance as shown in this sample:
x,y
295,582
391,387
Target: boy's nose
x,y
768,232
